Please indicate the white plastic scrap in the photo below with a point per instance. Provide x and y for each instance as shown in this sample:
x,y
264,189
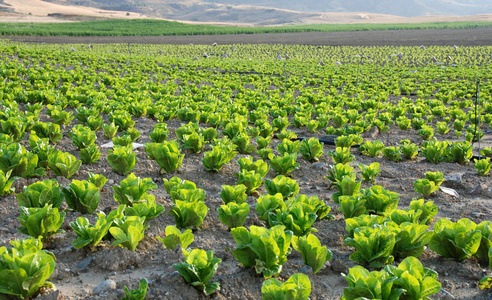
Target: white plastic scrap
x,y
111,145
449,191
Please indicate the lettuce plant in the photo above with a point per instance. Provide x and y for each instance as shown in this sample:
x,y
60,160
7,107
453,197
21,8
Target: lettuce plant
x,y
259,166
110,130
263,142
264,249
138,293
348,186
265,153
286,134
313,254
233,214
458,241
284,164
242,141
82,196
88,234
409,150
411,240
351,224
232,129
485,283
128,232
484,252
434,151
369,172
147,209
297,218
90,154
339,171
25,268
94,122
19,161
81,136
235,193
125,140
159,133
311,204
297,287
48,130
426,132
286,186
133,133
311,149
41,193
6,182
174,237
97,179
133,189
372,149
268,203
61,117
122,159
198,269
378,200
167,155
189,214
351,206
425,187
483,166
250,179
392,153
341,155
193,141
177,188
122,119
428,210
64,164
288,147
219,156
373,245
14,127
460,152
348,140
436,177
41,148
41,222
410,280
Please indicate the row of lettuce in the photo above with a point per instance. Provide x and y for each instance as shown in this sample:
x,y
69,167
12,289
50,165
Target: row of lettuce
x,y
240,104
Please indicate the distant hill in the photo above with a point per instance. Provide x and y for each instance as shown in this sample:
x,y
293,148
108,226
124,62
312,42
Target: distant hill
x,y
273,12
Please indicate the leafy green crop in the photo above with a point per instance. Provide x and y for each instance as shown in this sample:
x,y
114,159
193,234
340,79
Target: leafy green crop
x,y
341,155
428,210
242,141
284,164
122,159
110,130
167,154
250,179
133,189
297,287
297,218
458,240
21,163
219,156
147,209
128,232
268,203
41,222
373,149
259,166
82,196
82,137
369,172
90,154
193,141
410,280
378,200
159,133
48,130
189,214
311,149
236,193
233,214
289,147
173,237
6,182
64,164
25,268
340,171
264,249
425,187
198,269
286,186
313,254
373,245
348,186
88,234
138,293
483,166
40,193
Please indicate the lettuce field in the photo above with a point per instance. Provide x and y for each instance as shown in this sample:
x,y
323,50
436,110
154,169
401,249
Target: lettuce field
x,y
132,171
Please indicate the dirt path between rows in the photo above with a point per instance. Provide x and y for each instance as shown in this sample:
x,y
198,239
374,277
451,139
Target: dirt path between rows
x,y
442,37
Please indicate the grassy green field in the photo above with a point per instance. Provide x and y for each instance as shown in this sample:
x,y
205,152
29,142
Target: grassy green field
x,y
161,27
